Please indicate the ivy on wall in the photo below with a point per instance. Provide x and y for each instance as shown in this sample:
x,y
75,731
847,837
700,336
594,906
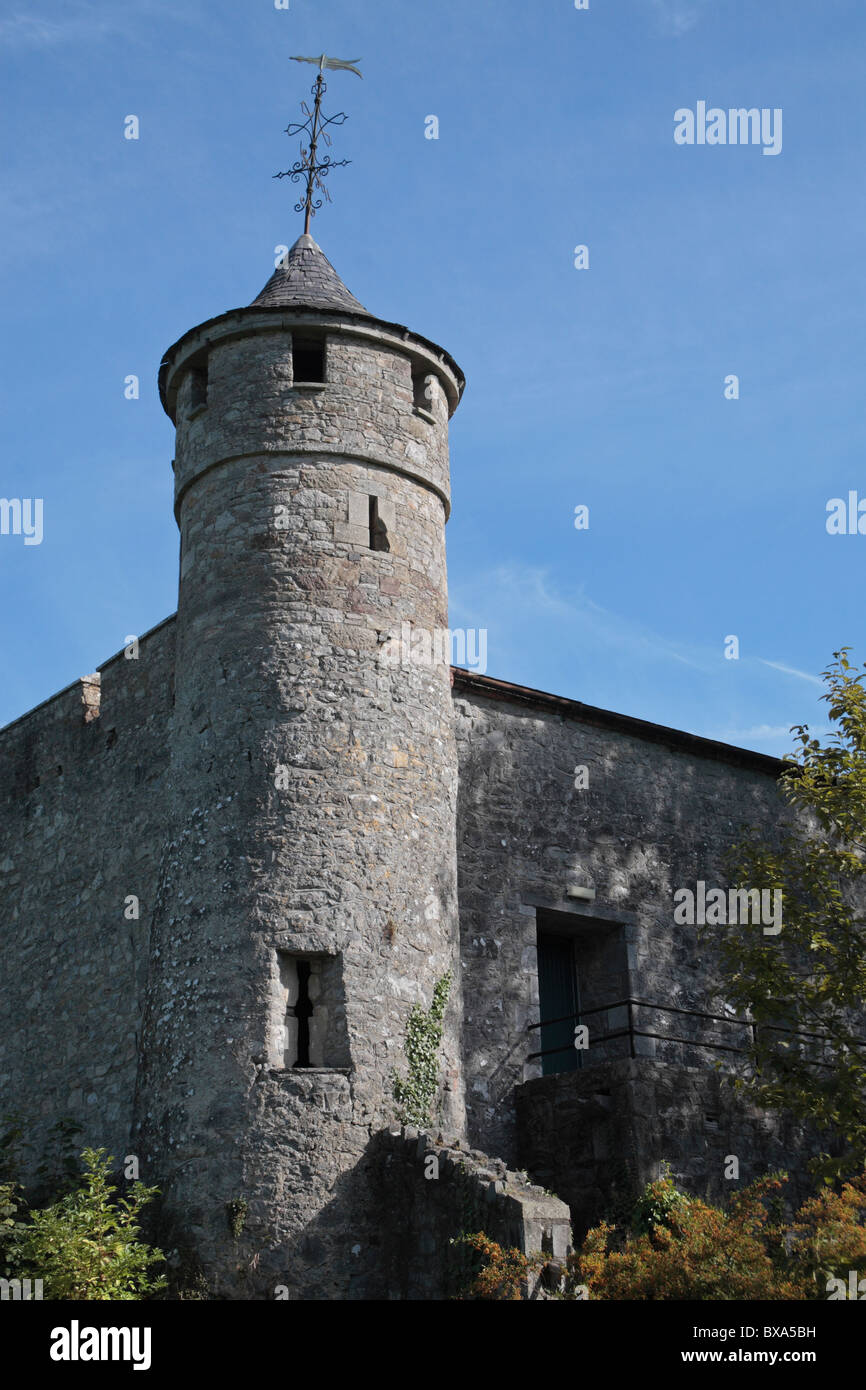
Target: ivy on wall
x,y
415,1094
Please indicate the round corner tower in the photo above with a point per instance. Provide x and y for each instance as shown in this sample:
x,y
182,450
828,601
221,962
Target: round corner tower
x,y
308,893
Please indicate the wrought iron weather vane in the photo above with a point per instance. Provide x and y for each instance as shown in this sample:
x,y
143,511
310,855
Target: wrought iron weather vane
x,y
315,129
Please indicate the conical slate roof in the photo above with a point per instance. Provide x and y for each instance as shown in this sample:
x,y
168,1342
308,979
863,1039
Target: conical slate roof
x,y
307,280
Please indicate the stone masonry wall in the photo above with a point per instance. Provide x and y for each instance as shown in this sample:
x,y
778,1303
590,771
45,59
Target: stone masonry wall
x,y
81,812
655,816
597,1137
366,411
312,810
434,1189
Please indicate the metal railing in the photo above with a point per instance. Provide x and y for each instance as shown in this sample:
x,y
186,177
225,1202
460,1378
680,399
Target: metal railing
x,y
631,1031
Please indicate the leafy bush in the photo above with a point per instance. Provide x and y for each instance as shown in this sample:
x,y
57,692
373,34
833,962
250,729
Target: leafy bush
x,y
683,1248
804,993
657,1204
677,1247
501,1274
828,1237
84,1246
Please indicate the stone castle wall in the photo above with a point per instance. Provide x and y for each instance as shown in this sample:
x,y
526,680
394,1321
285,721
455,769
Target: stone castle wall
x,y
596,1137
84,780
288,791
657,814
435,1190
81,815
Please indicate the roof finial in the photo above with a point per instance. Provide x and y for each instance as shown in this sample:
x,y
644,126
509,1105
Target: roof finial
x,y
315,126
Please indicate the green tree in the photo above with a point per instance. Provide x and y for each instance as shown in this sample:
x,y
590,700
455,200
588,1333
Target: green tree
x,y
85,1246
12,1207
805,987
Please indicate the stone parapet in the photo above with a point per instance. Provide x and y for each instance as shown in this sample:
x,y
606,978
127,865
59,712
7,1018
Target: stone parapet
x,y
436,1189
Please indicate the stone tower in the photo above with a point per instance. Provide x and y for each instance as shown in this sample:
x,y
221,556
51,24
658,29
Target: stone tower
x,y
308,891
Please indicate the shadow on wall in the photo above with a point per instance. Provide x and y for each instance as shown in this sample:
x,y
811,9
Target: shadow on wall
x,y
386,1233
598,1137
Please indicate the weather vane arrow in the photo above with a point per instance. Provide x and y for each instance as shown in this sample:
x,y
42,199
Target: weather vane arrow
x,y
335,63
315,128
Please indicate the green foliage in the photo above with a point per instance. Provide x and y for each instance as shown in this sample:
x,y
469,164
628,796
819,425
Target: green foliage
x,y
12,1141
12,1207
194,1288
677,1247
498,1273
59,1169
811,977
86,1246
415,1094
658,1204
236,1213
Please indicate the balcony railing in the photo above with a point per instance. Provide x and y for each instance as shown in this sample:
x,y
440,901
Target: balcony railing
x,y
630,1028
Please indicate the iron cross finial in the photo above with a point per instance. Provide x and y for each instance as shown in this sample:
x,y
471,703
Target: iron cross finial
x,y
315,127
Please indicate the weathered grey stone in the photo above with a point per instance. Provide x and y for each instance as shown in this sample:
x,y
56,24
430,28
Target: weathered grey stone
x,y
268,791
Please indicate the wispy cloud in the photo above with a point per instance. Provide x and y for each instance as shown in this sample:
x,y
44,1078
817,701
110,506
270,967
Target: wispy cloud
x,y
677,17
559,638
778,735
791,671
82,22
24,29
524,593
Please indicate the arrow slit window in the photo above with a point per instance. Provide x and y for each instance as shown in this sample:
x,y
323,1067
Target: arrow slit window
x,y
307,1014
424,393
198,387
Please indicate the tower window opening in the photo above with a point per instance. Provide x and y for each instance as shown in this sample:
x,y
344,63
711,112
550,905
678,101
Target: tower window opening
x,y
424,388
378,528
198,387
307,1027
303,1011
308,360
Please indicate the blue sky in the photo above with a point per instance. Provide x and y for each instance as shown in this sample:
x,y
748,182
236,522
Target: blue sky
x,y
602,387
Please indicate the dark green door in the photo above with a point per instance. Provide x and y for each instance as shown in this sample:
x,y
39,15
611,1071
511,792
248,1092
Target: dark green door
x,y
557,989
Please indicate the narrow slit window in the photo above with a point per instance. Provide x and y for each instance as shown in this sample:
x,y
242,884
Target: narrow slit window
x,y
308,360
423,391
198,387
303,1012
302,1019
307,1028
378,528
